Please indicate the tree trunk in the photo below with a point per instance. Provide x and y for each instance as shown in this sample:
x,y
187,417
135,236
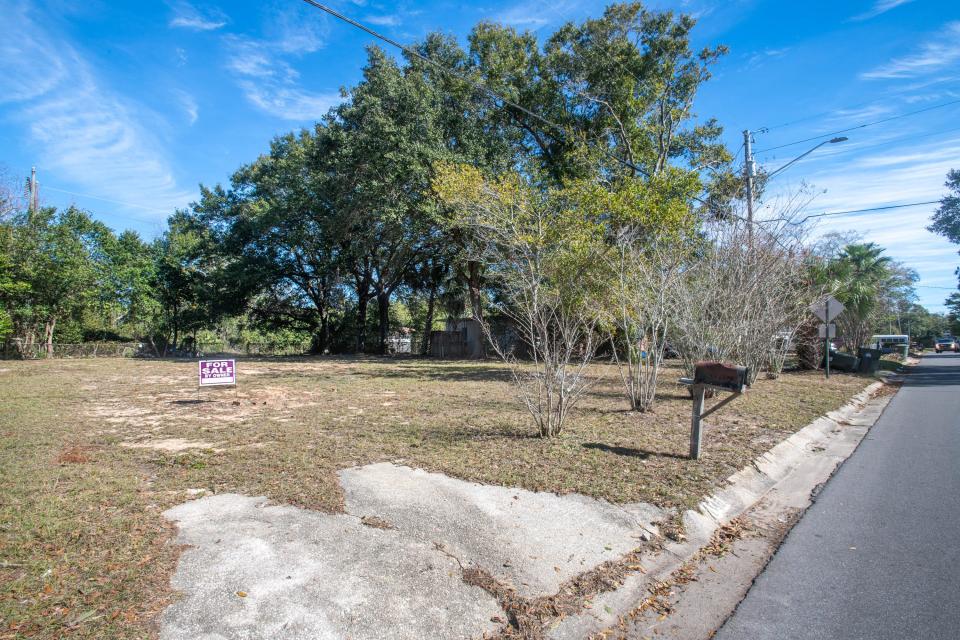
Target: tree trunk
x,y
48,328
476,302
362,323
473,283
428,322
383,309
323,338
362,288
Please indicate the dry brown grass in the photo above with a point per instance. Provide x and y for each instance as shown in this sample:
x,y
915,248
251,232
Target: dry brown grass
x,y
92,451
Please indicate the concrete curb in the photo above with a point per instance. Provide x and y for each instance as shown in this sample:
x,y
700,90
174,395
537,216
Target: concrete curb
x,y
795,466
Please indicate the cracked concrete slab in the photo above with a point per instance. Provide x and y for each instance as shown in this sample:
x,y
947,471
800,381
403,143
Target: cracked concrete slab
x,y
255,570
533,541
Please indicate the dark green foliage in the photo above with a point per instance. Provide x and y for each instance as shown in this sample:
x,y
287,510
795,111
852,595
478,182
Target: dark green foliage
x,y
322,235
946,221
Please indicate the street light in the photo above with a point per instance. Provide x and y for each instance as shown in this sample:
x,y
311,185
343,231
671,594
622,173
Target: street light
x,y
748,173
804,155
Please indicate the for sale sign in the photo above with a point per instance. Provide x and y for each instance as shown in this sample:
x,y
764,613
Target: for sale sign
x,y
214,372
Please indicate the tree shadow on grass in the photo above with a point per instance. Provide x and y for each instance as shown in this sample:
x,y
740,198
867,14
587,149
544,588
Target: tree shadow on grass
x,y
643,454
434,435
440,372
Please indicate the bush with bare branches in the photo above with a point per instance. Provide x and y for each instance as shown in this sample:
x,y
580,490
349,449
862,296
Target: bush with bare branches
x,y
641,310
745,296
546,265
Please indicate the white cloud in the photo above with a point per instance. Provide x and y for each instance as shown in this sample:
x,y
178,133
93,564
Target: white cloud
x,y
535,14
940,52
187,16
79,131
767,54
880,6
297,29
384,21
270,83
859,114
910,173
290,103
189,106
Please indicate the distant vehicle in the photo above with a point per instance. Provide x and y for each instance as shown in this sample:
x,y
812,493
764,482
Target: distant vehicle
x,y
889,343
946,344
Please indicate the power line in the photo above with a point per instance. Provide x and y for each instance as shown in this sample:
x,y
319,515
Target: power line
x,y
861,126
480,87
120,202
843,213
855,148
813,117
111,214
430,61
931,286
476,85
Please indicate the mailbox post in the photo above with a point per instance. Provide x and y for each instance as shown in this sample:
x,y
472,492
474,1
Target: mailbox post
x,y
717,376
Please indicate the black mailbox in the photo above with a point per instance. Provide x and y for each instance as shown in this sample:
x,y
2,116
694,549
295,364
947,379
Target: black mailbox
x,y
724,376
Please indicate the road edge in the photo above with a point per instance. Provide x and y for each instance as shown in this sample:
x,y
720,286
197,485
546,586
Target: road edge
x,y
795,467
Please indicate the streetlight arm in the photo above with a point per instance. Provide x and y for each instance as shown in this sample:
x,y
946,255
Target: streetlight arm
x,y
804,155
798,158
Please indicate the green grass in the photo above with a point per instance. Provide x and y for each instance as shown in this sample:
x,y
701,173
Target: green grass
x,y
86,553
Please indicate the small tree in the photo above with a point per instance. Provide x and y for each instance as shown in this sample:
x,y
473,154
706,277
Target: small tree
x,y
744,296
649,230
546,263
642,309
859,277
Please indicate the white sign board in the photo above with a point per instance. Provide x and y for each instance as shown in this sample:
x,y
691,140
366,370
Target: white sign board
x,y
827,309
214,372
828,331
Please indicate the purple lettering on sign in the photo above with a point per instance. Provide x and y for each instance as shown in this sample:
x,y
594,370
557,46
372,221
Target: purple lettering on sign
x,y
218,372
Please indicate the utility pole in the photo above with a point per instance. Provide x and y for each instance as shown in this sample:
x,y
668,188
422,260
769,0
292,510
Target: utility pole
x,y
34,191
748,179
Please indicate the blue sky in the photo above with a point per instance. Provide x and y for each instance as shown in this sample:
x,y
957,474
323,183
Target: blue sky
x,y
125,107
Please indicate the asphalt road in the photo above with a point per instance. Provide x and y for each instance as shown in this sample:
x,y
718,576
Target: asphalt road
x,y
877,555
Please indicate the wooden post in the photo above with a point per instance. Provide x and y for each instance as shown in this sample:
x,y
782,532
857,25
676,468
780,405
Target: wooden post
x,y
699,391
826,339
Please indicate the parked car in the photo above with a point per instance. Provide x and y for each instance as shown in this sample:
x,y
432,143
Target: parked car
x,y
946,344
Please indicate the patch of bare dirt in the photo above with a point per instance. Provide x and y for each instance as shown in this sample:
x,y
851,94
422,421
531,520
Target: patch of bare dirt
x,y
172,445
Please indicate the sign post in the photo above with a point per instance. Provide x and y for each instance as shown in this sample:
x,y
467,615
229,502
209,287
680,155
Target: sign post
x,y
829,310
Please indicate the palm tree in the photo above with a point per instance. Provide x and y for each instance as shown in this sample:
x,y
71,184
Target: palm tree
x,y
859,277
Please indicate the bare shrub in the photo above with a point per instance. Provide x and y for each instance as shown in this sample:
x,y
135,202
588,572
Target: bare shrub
x,y
641,310
545,263
745,296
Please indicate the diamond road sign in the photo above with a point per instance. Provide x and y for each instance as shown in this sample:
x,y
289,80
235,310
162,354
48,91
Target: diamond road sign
x,y
827,309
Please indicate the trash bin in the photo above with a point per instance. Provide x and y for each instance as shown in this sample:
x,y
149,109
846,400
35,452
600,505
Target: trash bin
x,y
869,360
843,362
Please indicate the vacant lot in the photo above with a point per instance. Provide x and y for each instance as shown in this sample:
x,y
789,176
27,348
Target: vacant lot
x,y
92,451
